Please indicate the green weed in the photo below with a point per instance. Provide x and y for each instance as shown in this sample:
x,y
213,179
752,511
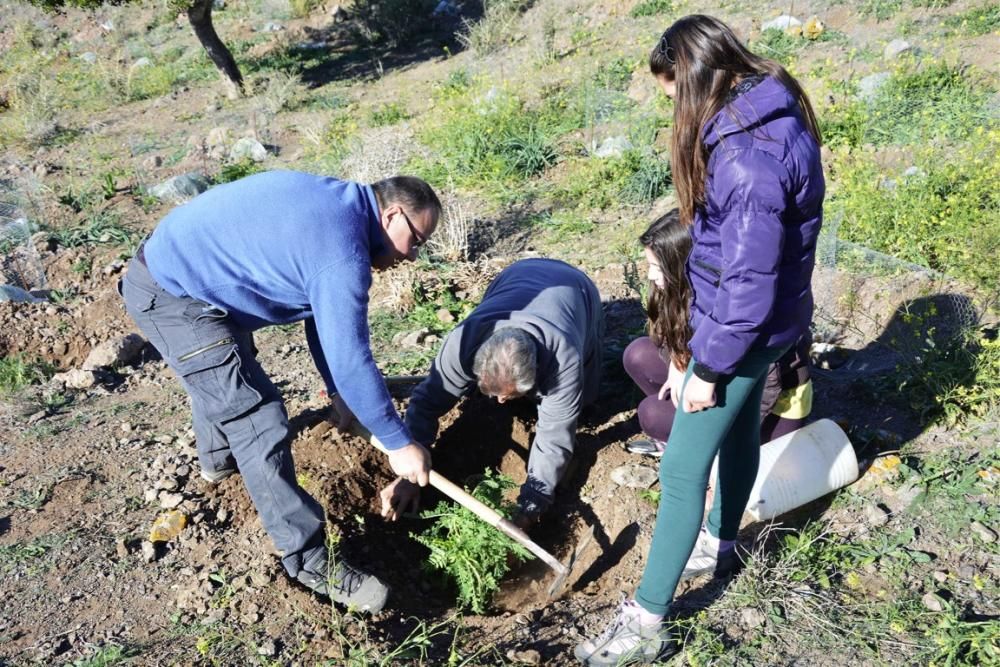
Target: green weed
x,y
880,10
105,656
652,8
490,139
496,28
30,555
303,8
976,21
387,114
945,214
16,372
776,44
917,102
100,228
471,553
234,171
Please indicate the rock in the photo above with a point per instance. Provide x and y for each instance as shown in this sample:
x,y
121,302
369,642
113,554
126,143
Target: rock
x,y
875,515
869,86
148,551
410,339
181,188
218,5
914,172
88,57
932,602
115,266
783,22
170,500
813,28
248,147
940,576
985,533
121,547
107,26
152,162
271,26
634,476
260,579
895,48
612,147
217,140
150,495
214,616
115,352
827,355
444,315
752,617
338,13
78,378
141,63
267,648
167,484
526,657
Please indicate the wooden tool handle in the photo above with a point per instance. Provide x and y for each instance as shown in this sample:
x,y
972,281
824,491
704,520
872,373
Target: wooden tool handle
x,y
479,508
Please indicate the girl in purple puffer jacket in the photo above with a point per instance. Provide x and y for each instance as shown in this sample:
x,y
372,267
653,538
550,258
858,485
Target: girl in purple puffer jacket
x,y
746,167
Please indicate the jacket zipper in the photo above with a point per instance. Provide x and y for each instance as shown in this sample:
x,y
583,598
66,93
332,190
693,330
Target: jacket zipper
x,y
711,269
212,346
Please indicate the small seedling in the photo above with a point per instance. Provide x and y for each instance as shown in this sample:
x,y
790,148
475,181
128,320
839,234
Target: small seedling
x,y
469,552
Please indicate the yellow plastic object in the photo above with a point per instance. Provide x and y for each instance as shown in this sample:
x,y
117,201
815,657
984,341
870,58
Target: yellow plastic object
x,y
813,28
167,526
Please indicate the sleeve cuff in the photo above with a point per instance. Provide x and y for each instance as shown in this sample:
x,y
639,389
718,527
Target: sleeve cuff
x,y
703,372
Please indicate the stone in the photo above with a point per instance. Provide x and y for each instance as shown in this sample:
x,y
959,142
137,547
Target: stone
x,y
940,576
218,5
217,140
410,339
783,22
167,484
444,315
869,86
985,533
148,551
271,26
150,495
634,476
875,515
527,657
896,48
914,172
121,547
248,147
115,352
612,147
78,378
267,648
170,500
141,63
751,617
152,162
932,602
88,57
180,189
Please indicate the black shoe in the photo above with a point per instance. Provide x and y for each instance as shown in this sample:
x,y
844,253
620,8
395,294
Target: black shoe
x,y
355,589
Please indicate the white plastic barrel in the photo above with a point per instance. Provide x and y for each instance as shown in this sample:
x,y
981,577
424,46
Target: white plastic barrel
x,y
801,466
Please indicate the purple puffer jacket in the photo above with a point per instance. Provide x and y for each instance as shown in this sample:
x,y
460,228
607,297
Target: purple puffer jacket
x,y
755,238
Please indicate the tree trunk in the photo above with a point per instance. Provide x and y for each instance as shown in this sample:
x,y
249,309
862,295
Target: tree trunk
x,y
200,16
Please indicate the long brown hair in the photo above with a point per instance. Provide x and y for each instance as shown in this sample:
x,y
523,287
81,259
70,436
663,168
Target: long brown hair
x,y
669,239
703,56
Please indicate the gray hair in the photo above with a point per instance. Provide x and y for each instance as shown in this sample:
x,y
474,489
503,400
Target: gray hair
x,y
507,360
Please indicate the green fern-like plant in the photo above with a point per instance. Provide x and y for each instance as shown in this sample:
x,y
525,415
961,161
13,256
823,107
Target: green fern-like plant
x,y
468,551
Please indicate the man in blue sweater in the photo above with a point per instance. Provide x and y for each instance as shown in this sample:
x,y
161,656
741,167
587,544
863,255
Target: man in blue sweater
x,y
275,248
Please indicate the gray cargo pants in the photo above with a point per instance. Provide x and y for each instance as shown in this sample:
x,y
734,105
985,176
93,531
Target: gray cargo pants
x,y
238,416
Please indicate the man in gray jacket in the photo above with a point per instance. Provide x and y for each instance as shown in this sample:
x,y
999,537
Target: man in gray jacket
x,y
537,332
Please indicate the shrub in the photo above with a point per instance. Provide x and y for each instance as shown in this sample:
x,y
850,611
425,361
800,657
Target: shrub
x,y
944,214
777,44
496,28
234,171
467,550
491,139
977,21
392,20
16,373
387,114
938,100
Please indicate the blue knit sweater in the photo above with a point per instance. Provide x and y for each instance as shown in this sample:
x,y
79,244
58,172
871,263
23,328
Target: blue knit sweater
x,y
279,247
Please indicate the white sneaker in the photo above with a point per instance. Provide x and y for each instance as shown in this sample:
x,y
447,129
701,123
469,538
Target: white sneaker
x,y
706,559
627,641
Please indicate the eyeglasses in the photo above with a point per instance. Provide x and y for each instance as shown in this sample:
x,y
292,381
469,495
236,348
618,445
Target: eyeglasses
x,y
418,240
664,49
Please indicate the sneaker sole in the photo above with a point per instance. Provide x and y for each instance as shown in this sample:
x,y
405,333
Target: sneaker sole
x,y
216,477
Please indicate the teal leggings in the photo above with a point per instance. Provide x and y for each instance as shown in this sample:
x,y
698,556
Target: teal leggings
x,y
731,429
